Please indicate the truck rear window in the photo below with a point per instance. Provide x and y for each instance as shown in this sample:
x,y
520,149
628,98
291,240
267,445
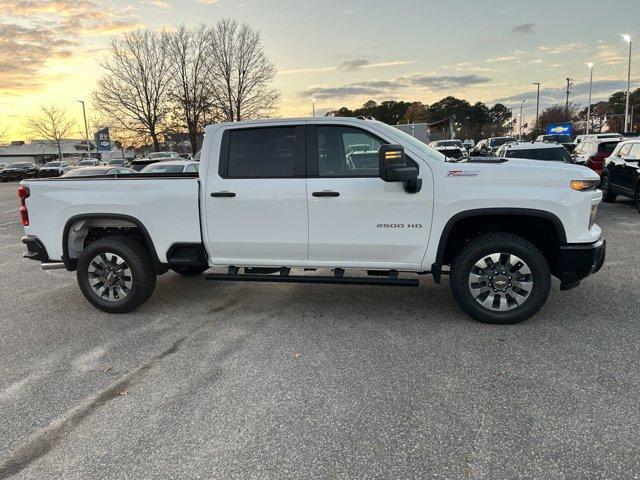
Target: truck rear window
x,y
262,153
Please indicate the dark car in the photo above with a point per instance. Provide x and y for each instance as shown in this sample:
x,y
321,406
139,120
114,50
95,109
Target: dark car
x,y
621,173
592,153
91,171
549,152
116,162
18,171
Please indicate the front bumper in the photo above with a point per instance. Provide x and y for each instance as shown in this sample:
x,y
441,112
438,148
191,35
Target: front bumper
x,y
579,260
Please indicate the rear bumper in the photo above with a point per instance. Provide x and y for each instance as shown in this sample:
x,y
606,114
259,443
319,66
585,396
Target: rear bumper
x,y
35,249
579,260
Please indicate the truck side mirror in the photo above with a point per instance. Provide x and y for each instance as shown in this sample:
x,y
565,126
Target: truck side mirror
x,y
394,168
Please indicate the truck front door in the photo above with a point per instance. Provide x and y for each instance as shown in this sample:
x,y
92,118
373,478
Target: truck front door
x,y
256,202
355,218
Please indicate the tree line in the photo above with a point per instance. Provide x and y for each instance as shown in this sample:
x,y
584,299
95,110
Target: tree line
x,y
470,121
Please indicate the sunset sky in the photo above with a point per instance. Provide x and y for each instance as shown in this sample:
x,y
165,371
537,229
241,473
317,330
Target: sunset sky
x,y
341,53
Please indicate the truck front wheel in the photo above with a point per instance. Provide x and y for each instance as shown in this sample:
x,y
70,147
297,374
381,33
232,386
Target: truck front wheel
x,y
500,278
116,274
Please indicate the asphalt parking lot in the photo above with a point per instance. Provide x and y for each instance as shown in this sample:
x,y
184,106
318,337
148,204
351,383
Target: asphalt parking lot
x,y
309,381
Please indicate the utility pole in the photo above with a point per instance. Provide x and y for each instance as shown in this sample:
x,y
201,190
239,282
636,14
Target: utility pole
x,y
313,107
566,106
537,104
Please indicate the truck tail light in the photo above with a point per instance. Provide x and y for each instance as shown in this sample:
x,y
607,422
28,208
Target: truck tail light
x,y
23,194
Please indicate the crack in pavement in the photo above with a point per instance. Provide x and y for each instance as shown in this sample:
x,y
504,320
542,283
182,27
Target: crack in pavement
x,y
45,439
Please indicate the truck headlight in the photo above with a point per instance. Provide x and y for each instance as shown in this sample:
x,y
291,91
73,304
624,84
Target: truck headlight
x,y
592,215
584,185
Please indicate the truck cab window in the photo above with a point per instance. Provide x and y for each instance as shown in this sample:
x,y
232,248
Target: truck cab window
x,y
262,153
347,152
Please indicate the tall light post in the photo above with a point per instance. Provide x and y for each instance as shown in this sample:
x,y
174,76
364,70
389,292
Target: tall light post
x,y
627,38
313,107
521,118
537,103
86,128
590,65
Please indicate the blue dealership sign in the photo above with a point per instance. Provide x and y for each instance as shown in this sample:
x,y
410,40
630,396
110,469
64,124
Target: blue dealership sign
x,y
559,129
102,140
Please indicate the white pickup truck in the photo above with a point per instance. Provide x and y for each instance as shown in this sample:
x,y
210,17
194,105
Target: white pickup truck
x,y
325,193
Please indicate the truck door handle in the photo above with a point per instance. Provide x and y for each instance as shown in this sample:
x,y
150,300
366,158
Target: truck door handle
x,y
223,194
326,193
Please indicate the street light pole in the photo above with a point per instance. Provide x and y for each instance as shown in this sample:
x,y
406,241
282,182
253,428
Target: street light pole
x,y
521,118
86,129
627,38
590,65
537,104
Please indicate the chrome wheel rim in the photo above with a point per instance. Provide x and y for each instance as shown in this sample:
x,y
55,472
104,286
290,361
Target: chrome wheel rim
x,y
110,277
500,281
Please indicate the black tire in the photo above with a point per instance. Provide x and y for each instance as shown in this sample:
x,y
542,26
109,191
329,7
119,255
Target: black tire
x,y
190,270
605,185
483,246
139,263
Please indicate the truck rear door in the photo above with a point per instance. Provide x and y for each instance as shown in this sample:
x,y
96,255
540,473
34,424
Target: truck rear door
x,y
256,200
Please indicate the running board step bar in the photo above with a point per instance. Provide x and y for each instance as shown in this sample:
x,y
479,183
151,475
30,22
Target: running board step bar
x,y
336,279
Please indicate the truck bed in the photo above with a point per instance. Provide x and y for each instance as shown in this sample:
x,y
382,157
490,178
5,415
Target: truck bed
x,y
166,205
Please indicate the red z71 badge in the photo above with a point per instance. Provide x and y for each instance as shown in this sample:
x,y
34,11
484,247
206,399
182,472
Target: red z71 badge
x,y
462,173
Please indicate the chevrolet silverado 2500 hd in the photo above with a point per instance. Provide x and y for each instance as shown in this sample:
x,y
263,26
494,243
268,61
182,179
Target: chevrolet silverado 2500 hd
x,y
334,193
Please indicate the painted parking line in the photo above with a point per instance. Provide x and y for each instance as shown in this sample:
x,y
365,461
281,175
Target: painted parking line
x,y
9,223
8,211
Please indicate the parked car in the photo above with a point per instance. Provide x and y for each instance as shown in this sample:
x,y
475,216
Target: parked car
x,y
469,143
19,171
551,152
54,169
592,153
489,146
453,151
99,170
3,166
267,204
621,173
564,140
186,156
448,143
88,163
116,162
180,166
140,163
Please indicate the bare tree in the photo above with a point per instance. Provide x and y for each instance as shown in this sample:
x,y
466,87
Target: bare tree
x,y
190,56
134,88
52,125
241,73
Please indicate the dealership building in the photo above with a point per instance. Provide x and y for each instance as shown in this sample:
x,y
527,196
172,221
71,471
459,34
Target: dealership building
x,y
43,151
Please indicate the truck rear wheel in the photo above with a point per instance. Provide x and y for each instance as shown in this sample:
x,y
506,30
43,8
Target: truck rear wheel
x,y
116,274
500,278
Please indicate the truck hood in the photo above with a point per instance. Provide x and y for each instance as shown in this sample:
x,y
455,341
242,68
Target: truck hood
x,y
530,169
